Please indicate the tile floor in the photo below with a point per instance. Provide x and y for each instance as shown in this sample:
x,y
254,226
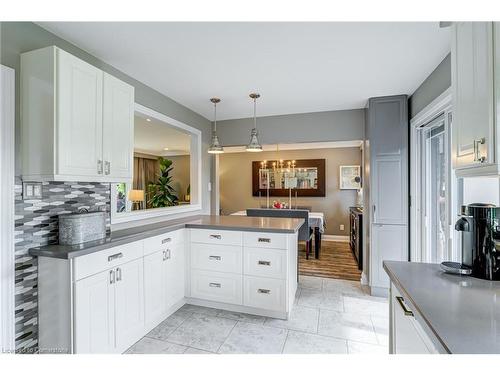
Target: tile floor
x,y
329,316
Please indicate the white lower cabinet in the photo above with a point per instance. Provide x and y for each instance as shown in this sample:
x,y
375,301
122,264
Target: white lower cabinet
x,y
94,314
257,275
408,336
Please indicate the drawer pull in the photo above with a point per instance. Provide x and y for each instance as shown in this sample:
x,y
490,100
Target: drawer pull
x,y
263,263
407,312
263,291
214,285
216,236
165,240
262,239
215,257
115,256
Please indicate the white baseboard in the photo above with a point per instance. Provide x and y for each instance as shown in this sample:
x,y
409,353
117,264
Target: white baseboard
x,y
332,237
364,279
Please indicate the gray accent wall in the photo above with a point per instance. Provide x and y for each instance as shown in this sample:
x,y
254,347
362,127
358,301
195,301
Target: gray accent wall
x,y
19,37
433,86
346,125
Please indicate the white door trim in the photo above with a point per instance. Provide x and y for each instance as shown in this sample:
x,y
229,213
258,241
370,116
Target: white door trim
x,y
439,105
7,259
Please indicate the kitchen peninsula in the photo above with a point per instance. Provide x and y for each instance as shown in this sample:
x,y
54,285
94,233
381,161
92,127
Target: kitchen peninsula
x,y
102,296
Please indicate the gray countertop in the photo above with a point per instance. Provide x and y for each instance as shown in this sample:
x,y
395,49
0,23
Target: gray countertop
x,y
120,237
463,312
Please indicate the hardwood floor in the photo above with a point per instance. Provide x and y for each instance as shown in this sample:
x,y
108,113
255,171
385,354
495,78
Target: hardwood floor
x,y
336,262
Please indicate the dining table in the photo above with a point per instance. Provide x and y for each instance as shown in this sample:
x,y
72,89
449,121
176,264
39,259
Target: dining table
x,y
316,223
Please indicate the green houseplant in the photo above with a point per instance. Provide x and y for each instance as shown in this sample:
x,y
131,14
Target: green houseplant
x,y
161,193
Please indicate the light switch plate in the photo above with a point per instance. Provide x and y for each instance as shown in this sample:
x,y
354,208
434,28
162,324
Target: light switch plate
x,y
32,190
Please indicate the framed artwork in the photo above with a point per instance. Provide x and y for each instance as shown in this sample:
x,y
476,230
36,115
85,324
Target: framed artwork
x,y
350,177
306,179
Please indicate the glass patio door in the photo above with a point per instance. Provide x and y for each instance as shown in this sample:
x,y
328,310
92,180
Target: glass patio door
x,y
435,190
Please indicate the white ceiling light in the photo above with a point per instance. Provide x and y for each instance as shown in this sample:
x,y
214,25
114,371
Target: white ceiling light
x,y
215,147
165,149
254,145
148,120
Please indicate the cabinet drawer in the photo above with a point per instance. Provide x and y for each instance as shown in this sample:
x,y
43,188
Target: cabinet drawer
x,y
266,240
223,237
221,258
217,286
163,241
93,263
264,262
264,293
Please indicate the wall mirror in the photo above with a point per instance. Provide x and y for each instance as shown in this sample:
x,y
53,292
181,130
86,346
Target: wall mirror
x,y
166,169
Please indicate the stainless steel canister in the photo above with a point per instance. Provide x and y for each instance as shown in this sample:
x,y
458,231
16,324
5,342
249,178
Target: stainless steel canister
x,y
78,228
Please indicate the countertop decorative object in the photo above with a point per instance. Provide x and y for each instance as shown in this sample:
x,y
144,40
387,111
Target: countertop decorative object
x,y
120,237
462,312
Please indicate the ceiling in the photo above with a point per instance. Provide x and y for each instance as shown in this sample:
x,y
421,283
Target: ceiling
x,y
153,136
296,67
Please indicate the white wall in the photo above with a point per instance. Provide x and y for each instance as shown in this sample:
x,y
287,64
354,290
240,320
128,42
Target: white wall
x,y
482,190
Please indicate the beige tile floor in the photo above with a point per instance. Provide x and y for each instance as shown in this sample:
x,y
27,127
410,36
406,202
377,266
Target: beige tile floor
x,y
329,316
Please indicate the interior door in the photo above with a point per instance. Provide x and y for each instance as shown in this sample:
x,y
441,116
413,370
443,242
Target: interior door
x,y
155,287
94,314
118,128
79,117
175,274
129,303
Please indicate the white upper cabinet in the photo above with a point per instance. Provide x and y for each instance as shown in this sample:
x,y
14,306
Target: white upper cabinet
x,y
474,57
118,128
77,121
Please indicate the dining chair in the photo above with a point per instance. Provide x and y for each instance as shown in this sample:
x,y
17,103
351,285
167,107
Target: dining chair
x,y
305,233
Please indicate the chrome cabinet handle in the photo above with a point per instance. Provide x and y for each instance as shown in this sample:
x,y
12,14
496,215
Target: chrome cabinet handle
x,y
477,152
214,257
214,285
115,256
268,240
263,263
111,277
164,255
216,236
165,240
406,311
263,291
107,167
99,166
169,254
118,274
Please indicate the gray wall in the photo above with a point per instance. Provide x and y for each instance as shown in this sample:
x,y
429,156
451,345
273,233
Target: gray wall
x,y
345,125
433,86
18,37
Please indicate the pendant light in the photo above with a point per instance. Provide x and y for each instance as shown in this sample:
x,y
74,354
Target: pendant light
x,y
254,145
215,147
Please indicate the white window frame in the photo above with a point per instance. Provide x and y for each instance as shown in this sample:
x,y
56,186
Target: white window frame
x,y
442,104
7,253
195,176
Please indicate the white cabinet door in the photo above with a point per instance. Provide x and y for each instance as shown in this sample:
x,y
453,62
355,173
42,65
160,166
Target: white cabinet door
x,y
175,274
79,117
155,305
388,242
94,314
129,304
408,336
472,82
118,128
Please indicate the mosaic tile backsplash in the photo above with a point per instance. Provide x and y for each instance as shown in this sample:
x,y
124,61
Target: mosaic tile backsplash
x,y
36,224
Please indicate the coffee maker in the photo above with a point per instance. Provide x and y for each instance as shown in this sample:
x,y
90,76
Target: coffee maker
x,y
479,224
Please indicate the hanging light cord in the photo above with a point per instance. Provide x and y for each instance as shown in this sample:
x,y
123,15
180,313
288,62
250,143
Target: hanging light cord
x,y
215,117
255,113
